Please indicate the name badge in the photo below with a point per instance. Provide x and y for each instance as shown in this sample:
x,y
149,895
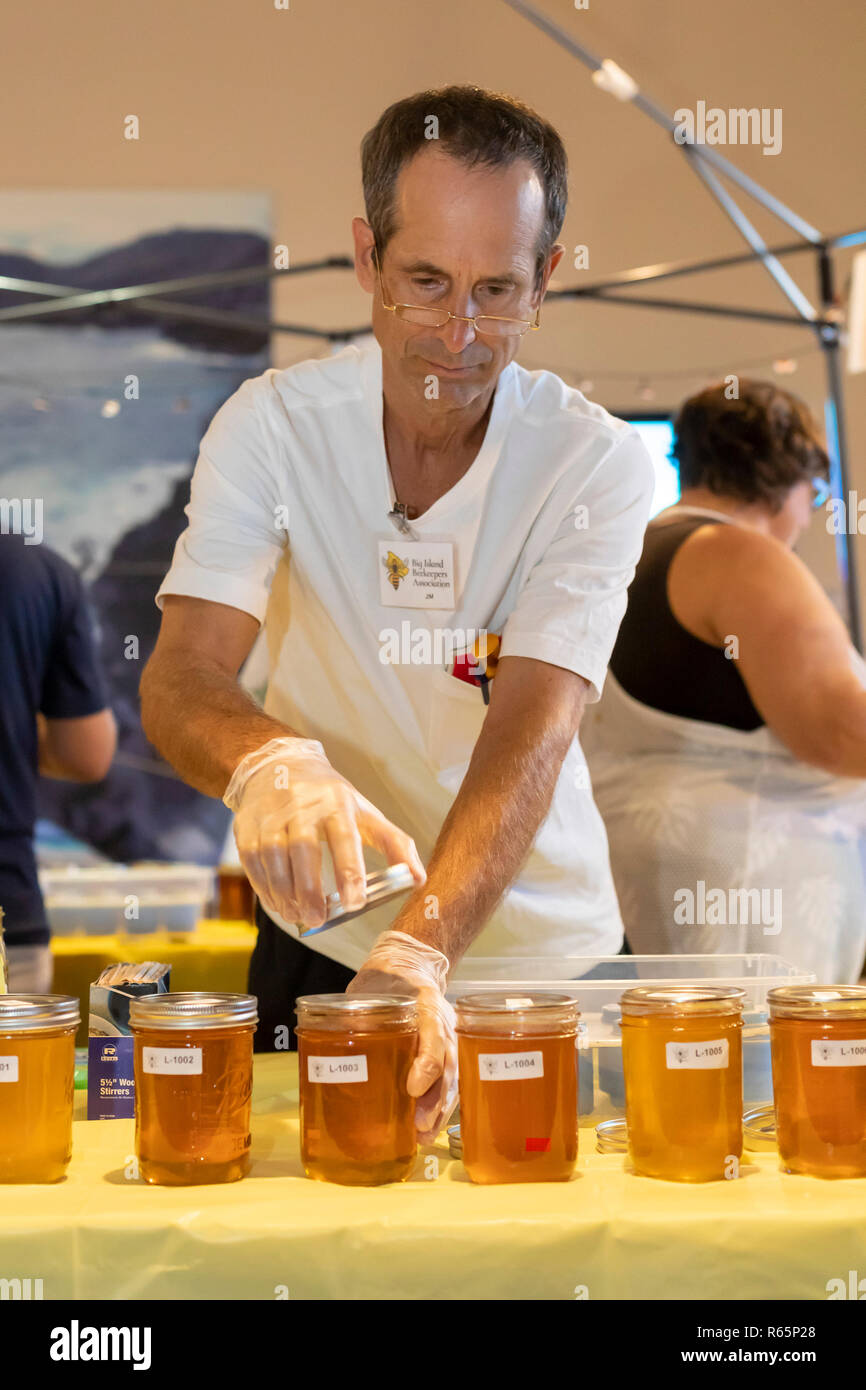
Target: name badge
x,y
416,574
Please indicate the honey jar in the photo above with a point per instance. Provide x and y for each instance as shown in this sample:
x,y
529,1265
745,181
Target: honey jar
x,y
517,1063
355,1052
818,1044
682,1060
37,1076
193,1086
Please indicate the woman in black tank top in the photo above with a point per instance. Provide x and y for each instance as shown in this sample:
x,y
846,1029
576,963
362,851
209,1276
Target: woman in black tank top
x,y
658,661
719,760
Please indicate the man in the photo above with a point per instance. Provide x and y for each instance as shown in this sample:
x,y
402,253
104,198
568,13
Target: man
x,y
344,497
54,720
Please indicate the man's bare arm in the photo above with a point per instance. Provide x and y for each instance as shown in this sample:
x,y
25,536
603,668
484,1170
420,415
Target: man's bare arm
x,y
192,708
535,711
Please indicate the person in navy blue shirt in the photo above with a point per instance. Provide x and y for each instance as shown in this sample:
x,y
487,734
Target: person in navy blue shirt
x,y
54,721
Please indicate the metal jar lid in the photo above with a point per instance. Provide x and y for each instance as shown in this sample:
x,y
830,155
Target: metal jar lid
x,y
193,1009
759,1128
398,1007
611,1137
513,1002
679,1000
22,1013
818,1001
381,887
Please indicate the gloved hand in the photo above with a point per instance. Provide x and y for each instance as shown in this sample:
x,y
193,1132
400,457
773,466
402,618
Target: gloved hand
x,y
400,964
287,798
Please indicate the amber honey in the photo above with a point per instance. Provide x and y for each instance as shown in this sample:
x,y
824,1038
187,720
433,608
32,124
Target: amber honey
x,y
683,1067
517,1064
193,1086
818,1044
357,1118
37,1068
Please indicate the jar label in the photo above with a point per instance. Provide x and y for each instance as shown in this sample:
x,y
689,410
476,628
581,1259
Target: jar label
x,y
840,1052
8,1068
697,1055
338,1069
509,1066
171,1061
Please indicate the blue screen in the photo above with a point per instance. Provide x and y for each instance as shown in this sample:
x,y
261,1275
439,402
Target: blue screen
x,y
658,436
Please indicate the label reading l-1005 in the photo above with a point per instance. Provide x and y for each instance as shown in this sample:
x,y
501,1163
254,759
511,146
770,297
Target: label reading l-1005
x,y
697,1055
170,1061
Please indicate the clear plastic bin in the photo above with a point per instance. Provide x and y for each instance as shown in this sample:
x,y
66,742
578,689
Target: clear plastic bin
x,y
132,898
597,982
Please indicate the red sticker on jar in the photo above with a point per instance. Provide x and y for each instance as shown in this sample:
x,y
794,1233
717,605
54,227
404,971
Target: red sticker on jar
x,y
537,1146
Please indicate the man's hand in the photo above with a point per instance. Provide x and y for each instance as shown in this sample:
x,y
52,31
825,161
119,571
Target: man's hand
x,y
287,799
400,964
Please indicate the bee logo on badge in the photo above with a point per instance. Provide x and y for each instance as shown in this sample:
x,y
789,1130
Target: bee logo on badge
x,y
397,569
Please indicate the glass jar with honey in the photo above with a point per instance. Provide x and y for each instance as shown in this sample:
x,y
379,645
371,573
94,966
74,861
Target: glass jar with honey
x,y
682,1056
193,1086
37,1077
355,1052
818,1045
517,1063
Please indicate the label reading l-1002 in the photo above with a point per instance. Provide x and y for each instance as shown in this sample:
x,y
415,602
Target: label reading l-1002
x,y
337,1069
170,1061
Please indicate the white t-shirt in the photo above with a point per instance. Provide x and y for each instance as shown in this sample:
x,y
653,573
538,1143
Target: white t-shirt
x,y
289,501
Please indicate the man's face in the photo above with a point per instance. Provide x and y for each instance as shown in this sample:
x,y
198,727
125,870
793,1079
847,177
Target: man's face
x,y
465,240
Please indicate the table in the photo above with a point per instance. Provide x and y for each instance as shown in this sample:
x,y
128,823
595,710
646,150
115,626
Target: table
x,y
102,1234
215,956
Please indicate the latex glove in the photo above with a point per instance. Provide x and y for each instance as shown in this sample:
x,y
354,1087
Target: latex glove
x,y
287,799
400,964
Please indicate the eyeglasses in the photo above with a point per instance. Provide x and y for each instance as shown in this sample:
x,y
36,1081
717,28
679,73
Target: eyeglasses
x,y
820,492
492,325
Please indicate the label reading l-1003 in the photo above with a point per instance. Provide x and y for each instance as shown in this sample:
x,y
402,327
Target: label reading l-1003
x,y
170,1061
337,1069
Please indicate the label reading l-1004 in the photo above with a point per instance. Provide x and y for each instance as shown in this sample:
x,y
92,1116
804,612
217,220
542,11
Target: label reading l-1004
x,y
510,1066
337,1069
170,1061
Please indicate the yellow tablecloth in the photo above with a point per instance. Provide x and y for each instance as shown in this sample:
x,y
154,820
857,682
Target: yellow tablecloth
x,y
102,1234
215,956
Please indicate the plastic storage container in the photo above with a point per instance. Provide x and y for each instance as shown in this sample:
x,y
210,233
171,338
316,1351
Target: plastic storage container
x,y
597,984
37,1068
682,1058
133,898
357,1117
818,1038
193,1086
517,1064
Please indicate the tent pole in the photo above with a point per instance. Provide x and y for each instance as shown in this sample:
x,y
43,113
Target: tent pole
x,y
837,443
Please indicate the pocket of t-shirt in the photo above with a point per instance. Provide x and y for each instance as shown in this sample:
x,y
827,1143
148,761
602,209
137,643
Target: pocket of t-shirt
x,y
457,711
